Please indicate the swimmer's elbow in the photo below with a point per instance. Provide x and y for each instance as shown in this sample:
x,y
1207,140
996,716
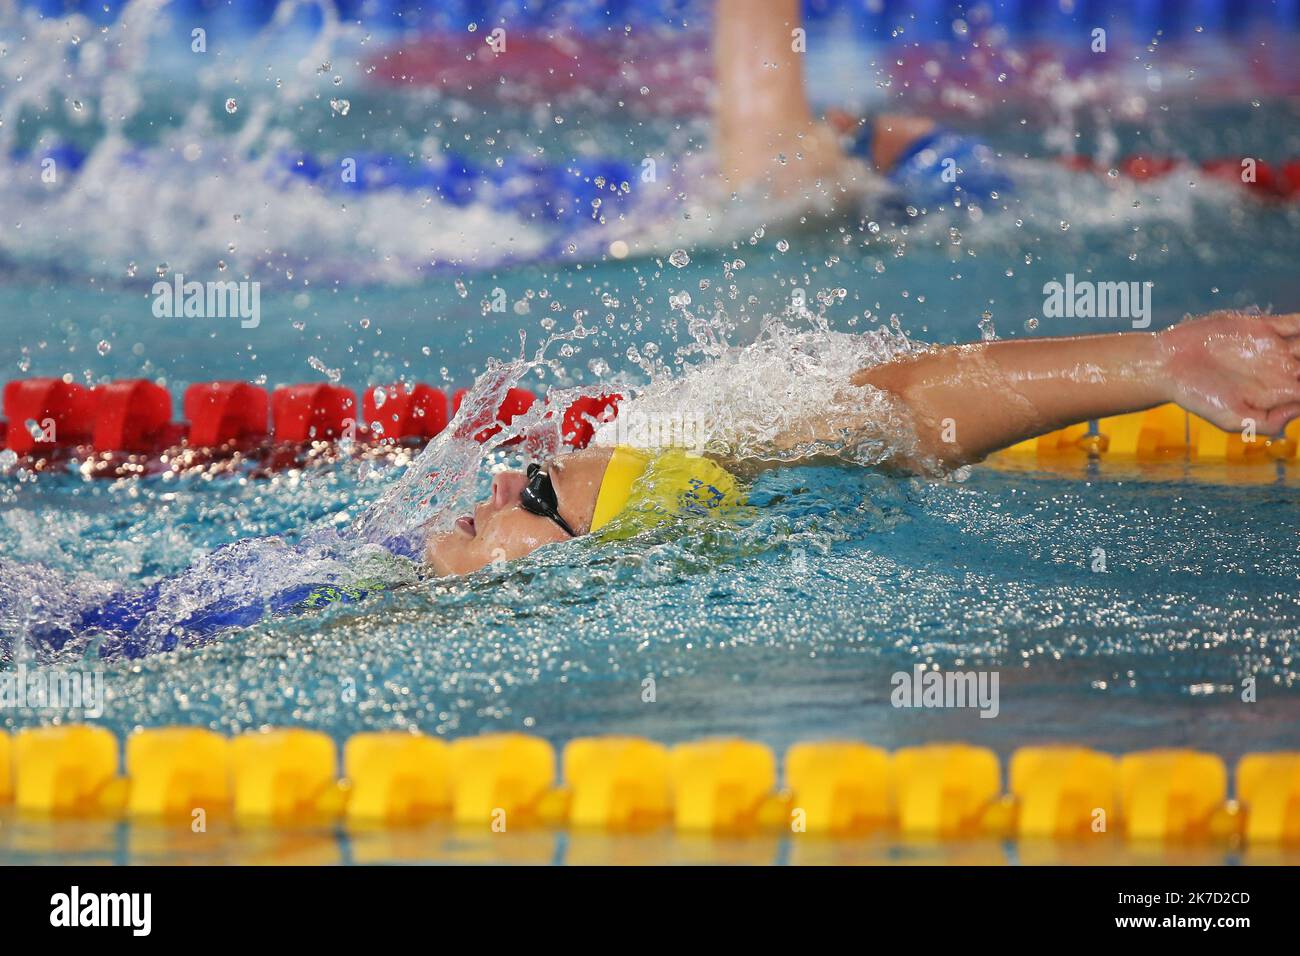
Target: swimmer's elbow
x,y
919,386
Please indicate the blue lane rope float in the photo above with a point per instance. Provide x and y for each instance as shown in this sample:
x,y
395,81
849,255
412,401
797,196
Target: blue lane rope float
x,y
927,20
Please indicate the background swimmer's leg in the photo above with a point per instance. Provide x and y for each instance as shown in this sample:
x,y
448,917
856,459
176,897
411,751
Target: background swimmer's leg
x,y
970,400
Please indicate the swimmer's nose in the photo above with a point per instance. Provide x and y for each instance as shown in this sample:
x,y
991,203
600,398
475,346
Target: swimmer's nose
x,y
506,488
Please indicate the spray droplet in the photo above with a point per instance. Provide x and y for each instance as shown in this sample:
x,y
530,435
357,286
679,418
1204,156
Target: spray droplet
x,y
679,259
231,105
103,347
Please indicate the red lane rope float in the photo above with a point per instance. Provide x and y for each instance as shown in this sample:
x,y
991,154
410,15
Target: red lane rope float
x,y
516,402
48,412
307,413
583,417
126,427
398,413
1271,182
133,417
226,413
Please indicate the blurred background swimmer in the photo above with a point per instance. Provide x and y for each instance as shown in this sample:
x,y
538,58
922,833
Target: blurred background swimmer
x,y
770,143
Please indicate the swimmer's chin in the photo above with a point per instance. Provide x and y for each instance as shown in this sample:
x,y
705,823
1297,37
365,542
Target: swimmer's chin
x,y
492,570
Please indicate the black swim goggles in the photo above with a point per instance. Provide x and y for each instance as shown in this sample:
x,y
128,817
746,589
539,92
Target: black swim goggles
x,y
538,498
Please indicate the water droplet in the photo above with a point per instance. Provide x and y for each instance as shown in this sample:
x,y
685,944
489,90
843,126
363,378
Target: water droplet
x,y
103,347
679,259
782,246
231,105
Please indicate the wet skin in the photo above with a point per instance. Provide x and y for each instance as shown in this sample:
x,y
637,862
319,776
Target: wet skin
x,y
501,530
1233,369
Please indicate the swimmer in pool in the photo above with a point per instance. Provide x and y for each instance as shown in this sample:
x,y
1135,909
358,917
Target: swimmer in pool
x,y
964,402
769,143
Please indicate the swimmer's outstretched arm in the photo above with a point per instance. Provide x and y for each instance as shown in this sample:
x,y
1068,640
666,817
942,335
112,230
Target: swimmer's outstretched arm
x,y
970,400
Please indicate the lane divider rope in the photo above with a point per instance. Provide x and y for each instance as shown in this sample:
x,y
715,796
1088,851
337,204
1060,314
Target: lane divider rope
x,y
292,777
126,427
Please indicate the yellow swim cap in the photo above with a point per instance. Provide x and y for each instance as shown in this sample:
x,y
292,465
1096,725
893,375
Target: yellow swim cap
x,y
649,487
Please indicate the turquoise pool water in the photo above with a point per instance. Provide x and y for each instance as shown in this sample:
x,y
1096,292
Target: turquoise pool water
x,y
791,627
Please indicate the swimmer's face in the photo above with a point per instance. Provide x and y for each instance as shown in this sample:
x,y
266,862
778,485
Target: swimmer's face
x,y
500,529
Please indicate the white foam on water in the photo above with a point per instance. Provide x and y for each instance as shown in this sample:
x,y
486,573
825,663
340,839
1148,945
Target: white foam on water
x,y
785,397
200,200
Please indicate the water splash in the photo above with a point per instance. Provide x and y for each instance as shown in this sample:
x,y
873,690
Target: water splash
x,y
206,190
786,397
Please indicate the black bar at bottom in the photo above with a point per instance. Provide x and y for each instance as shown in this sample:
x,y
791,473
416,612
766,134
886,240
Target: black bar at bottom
x,y
380,905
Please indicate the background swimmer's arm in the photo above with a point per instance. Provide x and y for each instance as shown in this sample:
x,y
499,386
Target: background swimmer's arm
x,y
762,110
970,400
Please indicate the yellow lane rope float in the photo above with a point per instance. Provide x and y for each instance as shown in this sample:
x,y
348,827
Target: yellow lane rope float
x,y
1159,436
285,778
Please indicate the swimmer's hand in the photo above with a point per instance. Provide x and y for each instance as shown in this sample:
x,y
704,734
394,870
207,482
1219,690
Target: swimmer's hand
x,y
1236,370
